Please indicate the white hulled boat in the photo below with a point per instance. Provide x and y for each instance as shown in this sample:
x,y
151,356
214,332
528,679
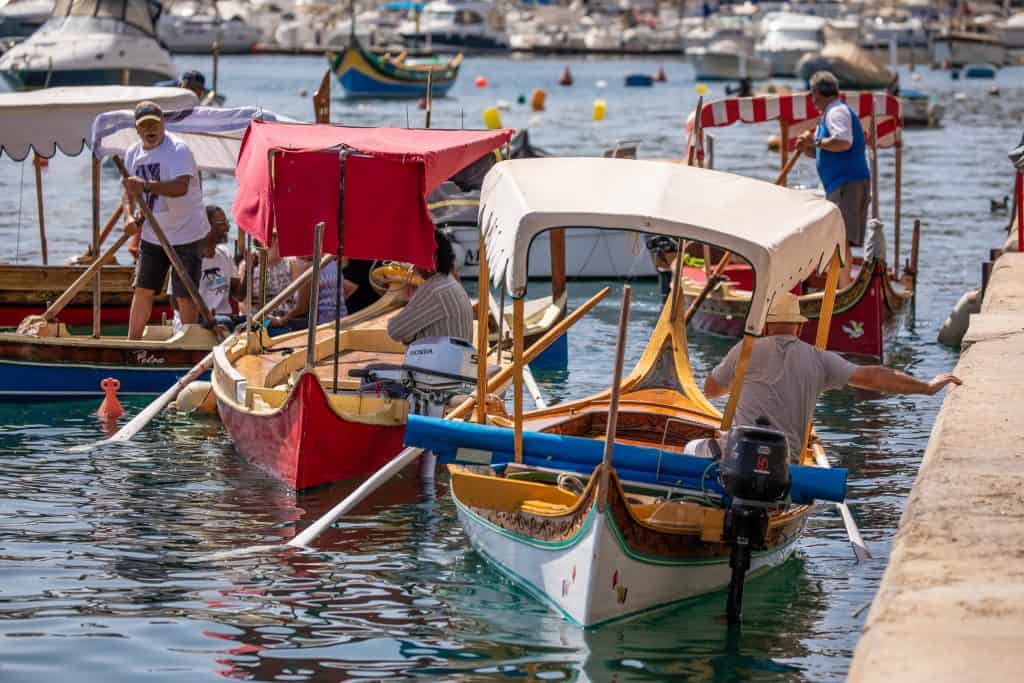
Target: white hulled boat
x,y
786,37
193,26
22,18
456,25
91,42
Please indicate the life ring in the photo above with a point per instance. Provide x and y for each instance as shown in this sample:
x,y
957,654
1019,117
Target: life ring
x,y
393,276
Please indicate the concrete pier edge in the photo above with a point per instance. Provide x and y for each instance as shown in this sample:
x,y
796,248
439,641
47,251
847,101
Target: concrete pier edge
x,y
951,603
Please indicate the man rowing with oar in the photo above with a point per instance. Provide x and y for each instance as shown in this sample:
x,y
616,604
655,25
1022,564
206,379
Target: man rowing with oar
x,y
786,375
164,175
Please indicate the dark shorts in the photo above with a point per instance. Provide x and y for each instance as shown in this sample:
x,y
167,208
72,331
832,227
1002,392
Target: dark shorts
x,y
153,264
852,199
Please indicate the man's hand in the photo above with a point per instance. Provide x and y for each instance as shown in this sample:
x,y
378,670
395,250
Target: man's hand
x,y
133,186
131,227
805,141
940,381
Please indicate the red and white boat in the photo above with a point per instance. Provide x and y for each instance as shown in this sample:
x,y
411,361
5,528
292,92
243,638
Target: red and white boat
x,y
877,292
291,406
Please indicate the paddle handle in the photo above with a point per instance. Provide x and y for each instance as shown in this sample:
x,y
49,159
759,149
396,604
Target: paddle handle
x,y
172,255
784,173
708,286
64,299
616,391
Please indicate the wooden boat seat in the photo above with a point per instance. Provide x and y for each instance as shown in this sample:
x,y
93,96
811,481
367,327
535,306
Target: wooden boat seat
x,y
544,507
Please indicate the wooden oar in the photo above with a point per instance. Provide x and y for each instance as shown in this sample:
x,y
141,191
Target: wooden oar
x,y
856,540
183,275
528,379
708,286
784,173
136,424
111,222
64,299
409,454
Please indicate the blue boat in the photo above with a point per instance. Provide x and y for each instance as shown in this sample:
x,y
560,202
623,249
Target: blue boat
x,y
365,75
980,70
639,81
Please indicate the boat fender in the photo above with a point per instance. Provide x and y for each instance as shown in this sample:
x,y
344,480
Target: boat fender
x,y
111,408
600,109
196,398
538,99
955,327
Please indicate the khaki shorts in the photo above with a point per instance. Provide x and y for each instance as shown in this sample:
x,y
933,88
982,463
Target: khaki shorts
x,y
852,199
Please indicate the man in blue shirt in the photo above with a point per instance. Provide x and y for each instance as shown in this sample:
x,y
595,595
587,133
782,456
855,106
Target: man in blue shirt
x,y
838,146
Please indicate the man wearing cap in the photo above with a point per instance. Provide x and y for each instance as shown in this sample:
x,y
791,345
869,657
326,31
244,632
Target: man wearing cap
x,y
785,376
163,174
838,146
196,82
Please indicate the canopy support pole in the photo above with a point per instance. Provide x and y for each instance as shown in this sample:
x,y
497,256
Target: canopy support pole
x,y
828,302
36,163
897,207
737,382
247,247
711,151
557,247
430,97
97,300
314,297
517,374
613,402
339,280
874,163
483,307
264,257
677,275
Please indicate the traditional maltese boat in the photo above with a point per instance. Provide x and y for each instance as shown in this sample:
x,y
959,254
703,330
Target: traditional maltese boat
x,y
38,124
364,74
591,505
292,404
877,292
44,360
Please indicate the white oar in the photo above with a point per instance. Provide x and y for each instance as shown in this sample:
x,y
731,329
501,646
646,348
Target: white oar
x,y
859,549
136,424
407,455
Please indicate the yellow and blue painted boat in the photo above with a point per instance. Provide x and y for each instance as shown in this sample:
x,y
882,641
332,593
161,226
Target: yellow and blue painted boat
x,y
364,74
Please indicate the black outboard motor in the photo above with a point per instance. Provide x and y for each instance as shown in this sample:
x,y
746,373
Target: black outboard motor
x,y
755,472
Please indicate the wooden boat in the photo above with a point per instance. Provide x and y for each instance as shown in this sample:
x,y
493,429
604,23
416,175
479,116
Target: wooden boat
x,y
364,74
278,398
47,362
603,537
877,293
39,124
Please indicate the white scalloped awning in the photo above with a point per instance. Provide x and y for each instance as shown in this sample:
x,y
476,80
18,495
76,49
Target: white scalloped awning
x,y
784,234
51,118
213,134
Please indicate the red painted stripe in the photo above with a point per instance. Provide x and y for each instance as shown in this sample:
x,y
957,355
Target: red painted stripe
x,y
760,108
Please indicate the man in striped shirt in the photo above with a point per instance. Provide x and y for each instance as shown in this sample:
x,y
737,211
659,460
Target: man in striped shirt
x,y
439,307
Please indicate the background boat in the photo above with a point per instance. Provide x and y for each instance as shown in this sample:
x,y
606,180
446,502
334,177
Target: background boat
x,y
364,74
193,26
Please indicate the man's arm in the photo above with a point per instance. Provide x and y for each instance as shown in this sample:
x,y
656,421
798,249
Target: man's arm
x,y
713,389
881,378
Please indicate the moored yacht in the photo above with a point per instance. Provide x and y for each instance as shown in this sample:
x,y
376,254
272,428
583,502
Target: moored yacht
x,y
21,18
456,25
91,42
193,26
786,37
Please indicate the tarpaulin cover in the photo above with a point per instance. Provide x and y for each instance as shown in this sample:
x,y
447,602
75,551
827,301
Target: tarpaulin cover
x,y
388,174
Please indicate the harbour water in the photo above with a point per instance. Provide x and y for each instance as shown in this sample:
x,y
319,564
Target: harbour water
x,y
101,555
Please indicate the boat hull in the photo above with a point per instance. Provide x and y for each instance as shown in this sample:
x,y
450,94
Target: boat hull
x,y
719,66
30,79
597,574
305,443
361,78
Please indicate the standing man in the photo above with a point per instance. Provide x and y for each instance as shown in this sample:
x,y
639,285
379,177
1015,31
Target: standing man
x,y
838,146
163,174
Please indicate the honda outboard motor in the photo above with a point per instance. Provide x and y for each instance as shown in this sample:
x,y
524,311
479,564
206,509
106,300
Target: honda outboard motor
x,y
755,473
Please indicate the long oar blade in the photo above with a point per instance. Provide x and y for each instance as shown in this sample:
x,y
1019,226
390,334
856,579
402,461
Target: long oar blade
x,y
856,540
142,419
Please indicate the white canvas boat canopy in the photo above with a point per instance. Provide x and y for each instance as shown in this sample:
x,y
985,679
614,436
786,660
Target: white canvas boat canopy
x,y
214,135
51,118
785,235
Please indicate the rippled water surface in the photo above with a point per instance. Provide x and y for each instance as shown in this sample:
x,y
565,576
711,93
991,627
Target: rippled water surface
x,y
102,568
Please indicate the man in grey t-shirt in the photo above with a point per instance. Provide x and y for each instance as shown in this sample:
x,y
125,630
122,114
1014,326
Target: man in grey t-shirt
x,y
785,376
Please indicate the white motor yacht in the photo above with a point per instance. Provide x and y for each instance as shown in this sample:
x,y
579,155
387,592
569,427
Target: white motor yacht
x,y
456,25
786,37
193,26
21,18
959,48
1012,31
91,42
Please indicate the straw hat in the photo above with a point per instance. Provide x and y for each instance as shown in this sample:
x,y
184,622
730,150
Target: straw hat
x,y
785,309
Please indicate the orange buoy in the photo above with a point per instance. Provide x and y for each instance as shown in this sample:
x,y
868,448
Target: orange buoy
x,y
538,99
566,78
480,82
111,408
660,76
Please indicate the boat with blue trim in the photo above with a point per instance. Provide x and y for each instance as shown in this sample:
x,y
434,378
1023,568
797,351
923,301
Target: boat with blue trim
x,y
364,74
602,507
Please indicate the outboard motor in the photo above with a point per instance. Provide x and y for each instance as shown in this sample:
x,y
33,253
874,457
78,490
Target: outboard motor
x,y
755,473
434,371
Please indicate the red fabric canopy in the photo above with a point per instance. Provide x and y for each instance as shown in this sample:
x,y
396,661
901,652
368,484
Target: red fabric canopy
x,y
289,177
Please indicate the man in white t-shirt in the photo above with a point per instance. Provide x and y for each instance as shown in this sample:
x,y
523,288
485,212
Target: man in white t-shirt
x,y
164,175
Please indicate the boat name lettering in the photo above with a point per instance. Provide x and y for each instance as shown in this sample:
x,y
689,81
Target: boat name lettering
x,y
144,358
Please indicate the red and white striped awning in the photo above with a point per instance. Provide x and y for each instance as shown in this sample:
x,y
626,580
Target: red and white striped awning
x,y
798,113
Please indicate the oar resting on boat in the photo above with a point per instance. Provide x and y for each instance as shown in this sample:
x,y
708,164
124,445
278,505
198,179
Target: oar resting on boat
x,y
137,423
